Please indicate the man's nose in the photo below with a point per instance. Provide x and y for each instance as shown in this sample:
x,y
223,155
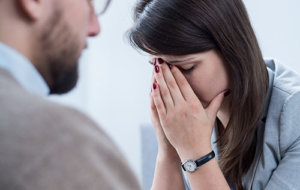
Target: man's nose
x,y
94,26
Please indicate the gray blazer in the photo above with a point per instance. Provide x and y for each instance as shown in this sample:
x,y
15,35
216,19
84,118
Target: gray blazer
x,y
277,160
276,164
45,146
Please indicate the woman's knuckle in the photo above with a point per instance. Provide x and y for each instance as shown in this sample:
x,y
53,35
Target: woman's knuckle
x,y
172,84
193,107
153,108
181,110
164,93
159,106
182,83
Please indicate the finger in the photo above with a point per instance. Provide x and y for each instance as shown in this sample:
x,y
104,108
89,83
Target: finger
x,y
154,114
185,88
155,119
152,81
163,88
160,134
214,106
171,84
158,102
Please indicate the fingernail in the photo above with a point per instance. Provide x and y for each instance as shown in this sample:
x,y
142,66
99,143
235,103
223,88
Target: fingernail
x,y
160,61
156,69
154,86
227,93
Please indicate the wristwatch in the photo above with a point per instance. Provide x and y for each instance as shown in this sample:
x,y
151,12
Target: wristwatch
x,y
193,165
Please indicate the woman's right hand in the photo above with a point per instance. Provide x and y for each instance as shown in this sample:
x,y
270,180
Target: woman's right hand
x,y
165,149
167,174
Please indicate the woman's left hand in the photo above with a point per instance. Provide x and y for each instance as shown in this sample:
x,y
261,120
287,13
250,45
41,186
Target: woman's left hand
x,y
186,124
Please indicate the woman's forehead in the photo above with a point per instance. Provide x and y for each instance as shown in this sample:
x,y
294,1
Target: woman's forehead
x,y
172,59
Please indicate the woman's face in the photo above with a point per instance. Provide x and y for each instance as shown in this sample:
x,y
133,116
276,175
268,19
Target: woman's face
x,y
205,72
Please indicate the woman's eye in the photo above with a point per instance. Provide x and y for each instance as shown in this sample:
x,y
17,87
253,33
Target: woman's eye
x,y
187,70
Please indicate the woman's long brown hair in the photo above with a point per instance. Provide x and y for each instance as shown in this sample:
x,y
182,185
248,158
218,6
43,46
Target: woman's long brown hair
x,y
177,27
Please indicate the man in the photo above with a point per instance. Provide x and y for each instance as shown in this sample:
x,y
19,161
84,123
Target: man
x,y
43,145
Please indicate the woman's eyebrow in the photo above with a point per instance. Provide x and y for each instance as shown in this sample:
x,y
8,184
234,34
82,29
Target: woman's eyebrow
x,y
175,61
180,60
152,63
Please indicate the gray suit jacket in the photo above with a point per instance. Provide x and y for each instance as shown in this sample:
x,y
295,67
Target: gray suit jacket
x,y
277,160
45,146
276,164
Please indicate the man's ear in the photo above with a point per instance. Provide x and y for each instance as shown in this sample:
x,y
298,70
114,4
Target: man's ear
x,y
31,8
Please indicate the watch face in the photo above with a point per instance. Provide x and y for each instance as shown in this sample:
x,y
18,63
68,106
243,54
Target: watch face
x,y
190,166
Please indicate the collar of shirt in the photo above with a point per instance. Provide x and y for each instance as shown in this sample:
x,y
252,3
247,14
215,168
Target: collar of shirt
x,y
269,93
22,70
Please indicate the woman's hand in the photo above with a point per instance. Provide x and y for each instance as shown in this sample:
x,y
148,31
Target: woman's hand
x,y
186,124
165,149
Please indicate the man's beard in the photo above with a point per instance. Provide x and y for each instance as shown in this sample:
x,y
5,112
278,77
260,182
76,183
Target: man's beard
x,y
61,48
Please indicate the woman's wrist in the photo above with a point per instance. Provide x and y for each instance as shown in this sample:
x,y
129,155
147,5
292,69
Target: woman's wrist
x,y
194,152
169,156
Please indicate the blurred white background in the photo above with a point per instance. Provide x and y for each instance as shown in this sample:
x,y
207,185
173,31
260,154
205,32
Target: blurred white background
x,y
114,80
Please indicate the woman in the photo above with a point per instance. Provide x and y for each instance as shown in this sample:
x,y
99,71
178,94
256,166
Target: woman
x,y
211,84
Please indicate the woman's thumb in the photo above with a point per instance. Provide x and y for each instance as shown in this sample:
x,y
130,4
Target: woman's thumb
x,y
215,105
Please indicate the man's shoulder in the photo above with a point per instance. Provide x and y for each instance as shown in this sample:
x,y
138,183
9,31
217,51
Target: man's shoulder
x,y
20,105
41,139
29,115
50,140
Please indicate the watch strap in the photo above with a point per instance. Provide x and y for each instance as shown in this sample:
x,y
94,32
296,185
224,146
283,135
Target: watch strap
x,y
204,159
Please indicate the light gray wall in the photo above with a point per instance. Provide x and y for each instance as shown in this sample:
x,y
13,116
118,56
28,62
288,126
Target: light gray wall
x,y
277,26
115,79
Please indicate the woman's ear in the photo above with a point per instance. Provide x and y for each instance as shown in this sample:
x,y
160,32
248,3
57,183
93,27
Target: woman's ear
x,y
31,8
